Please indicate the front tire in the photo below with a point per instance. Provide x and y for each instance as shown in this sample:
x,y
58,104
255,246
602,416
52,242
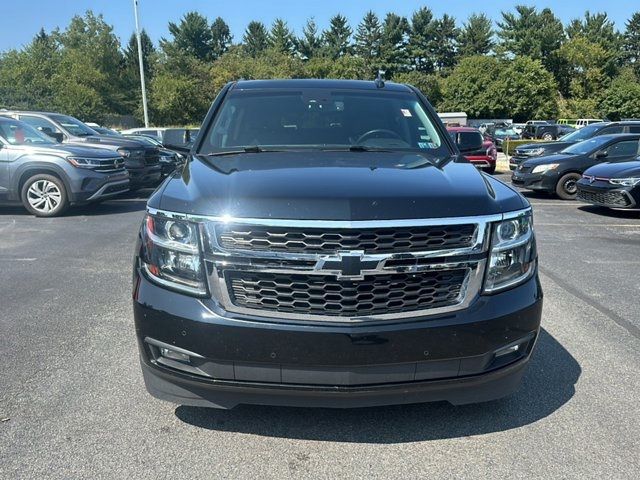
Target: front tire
x,y
44,196
567,186
547,136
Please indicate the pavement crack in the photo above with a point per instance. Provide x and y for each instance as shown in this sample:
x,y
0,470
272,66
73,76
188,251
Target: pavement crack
x,y
607,312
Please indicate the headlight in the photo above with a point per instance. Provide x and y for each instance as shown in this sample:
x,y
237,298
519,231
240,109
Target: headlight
x,y
534,152
545,168
625,182
171,254
513,253
82,162
126,152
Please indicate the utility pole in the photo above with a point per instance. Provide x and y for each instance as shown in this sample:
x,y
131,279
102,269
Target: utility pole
x,y
141,63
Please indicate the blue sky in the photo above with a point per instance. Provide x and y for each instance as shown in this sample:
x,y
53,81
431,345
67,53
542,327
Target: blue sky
x,y
23,18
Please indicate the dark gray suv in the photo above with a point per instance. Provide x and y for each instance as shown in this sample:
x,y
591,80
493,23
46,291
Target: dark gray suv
x,y
141,161
47,177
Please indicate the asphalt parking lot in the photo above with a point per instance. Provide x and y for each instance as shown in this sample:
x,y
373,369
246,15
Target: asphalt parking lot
x,y
73,405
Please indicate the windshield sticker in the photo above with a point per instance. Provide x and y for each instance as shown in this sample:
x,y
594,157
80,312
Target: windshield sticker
x,y
426,145
406,112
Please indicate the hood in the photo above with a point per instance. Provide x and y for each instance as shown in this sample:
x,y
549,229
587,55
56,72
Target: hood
x,y
549,147
332,186
110,141
615,170
65,150
543,160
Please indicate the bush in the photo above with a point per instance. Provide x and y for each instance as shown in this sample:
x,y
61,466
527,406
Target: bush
x,y
509,148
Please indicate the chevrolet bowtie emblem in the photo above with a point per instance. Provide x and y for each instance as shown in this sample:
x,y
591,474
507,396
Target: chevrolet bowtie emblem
x,y
347,265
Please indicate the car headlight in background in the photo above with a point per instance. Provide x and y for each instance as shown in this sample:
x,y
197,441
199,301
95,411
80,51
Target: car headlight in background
x,y
534,152
130,153
171,254
512,258
545,168
625,182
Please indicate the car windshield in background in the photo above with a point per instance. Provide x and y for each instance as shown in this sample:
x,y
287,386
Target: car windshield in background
x,y
322,119
505,131
464,139
19,133
586,146
581,134
74,126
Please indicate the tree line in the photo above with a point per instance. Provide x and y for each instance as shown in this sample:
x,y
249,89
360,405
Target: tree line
x,y
527,65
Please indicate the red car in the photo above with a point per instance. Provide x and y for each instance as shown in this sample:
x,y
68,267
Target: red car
x,y
485,158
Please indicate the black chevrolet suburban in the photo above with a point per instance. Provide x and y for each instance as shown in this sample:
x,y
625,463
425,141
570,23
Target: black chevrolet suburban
x,y
326,244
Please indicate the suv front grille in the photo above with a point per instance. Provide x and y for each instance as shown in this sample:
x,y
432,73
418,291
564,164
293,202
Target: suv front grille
x,y
613,198
325,295
152,156
315,241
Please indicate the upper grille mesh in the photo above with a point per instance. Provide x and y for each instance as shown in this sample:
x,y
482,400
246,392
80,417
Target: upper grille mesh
x,y
317,241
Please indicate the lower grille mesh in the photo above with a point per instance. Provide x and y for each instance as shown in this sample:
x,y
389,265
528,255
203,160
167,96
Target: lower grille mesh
x,y
325,295
604,198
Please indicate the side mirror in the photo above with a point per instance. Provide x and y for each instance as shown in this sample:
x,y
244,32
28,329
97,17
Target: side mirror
x,y
602,154
469,143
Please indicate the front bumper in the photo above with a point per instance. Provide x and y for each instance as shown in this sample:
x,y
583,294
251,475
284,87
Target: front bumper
x,y
541,182
482,161
237,360
95,186
606,195
145,176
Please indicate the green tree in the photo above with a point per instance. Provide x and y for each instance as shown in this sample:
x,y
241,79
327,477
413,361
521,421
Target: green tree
x,y
25,75
420,36
444,42
131,54
337,39
534,34
524,89
281,38
476,36
585,65
428,84
255,39
310,44
131,71
89,43
599,29
468,88
393,47
192,37
632,43
221,38
368,37
622,98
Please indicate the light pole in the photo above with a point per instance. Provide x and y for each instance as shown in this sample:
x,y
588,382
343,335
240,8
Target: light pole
x,y
141,64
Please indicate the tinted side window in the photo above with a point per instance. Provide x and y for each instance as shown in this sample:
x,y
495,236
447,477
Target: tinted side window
x,y
39,123
634,129
623,149
609,130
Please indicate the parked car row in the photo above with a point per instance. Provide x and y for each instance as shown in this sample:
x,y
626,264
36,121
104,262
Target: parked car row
x,y
49,161
598,164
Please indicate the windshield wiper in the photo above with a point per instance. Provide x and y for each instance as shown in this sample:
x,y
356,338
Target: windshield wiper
x,y
252,149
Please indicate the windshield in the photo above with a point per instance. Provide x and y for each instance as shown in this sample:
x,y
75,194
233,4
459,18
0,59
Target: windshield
x,y
322,119
579,135
587,146
505,131
74,126
19,133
